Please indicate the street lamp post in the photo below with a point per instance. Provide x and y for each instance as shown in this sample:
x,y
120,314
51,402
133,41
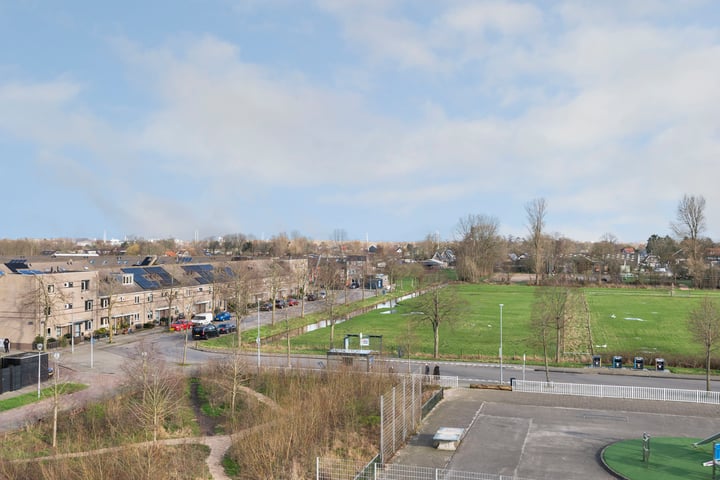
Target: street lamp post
x,y
257,339
39,347
501,356
56,398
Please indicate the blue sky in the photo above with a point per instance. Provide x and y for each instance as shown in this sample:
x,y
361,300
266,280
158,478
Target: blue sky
x,y
390,120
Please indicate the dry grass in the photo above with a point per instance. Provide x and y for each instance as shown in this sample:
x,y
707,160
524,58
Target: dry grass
x,y
301,415
282,421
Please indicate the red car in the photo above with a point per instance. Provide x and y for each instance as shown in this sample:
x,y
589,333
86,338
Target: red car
x,y
292,302
179,325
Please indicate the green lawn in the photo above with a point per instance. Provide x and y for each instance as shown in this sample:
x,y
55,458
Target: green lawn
x,y
670,459
651,323
47,392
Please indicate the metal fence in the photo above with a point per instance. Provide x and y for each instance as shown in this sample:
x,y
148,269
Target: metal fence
x,y
336,469
618,391
400,414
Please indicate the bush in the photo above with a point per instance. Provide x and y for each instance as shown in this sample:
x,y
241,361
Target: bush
x,y
148,324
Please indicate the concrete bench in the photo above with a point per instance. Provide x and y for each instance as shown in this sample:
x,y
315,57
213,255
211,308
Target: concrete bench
x,y
448,438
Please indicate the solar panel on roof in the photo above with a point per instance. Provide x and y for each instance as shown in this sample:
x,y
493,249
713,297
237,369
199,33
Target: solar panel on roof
x,y
165,277
140,279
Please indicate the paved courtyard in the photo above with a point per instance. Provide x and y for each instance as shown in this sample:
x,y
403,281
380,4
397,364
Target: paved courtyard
x,y
543,437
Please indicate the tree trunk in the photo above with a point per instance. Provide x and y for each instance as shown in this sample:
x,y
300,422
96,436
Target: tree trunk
x,y
436,338
707,370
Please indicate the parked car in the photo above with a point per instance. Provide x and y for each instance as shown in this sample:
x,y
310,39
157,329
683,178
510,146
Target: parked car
x,y
223,317
311,297
180,325
280,303
354,285
202,318
266,307
292,302
203,332
227,327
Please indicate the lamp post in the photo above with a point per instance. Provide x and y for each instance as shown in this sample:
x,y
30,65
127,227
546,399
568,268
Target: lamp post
x,y
56,398
39,347
257,339
501,365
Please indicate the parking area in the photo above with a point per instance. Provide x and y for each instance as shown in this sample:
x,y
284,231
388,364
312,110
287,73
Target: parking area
x,y
543,437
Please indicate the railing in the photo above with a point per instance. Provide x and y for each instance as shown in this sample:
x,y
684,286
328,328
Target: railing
x,y
336,469
618,391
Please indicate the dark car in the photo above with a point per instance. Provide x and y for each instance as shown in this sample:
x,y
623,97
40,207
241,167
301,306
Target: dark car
x,y
223,317
203,332
311,297
226,327
280,304
266,307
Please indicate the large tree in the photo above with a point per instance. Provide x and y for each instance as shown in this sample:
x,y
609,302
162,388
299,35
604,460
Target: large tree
x,y
535,213
704,325
479,247
689,225
438,305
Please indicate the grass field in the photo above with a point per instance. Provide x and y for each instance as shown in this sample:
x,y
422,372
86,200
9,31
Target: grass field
x,y
670,458
628,322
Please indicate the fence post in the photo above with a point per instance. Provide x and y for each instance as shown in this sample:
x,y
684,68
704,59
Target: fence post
x,y
394,410
382,428
404,409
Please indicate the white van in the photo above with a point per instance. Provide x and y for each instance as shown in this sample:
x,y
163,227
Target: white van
x,y
202,318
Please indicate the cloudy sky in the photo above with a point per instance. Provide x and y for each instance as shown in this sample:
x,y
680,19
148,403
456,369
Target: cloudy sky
x,y
387,119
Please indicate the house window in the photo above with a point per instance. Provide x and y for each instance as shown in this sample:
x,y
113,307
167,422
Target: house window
x,y
88,325
68,284
51,288
84,285
127,279
68,306
150,297
137,298
104,302
47,311
88,305
104,321
58,332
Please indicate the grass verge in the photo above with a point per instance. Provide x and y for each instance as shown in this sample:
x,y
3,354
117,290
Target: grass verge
x,y
28,398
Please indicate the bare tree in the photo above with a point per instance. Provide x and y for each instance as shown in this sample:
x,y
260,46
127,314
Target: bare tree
x,y
536,211
160,390
479,247
704,325
439,305
110,286
689,225
278,277
330,276
42,302
552,311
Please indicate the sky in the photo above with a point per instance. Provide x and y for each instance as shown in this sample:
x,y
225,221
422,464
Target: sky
x,y
386,120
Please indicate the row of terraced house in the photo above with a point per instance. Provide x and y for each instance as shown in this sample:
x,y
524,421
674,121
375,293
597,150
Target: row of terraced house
x,y
73,296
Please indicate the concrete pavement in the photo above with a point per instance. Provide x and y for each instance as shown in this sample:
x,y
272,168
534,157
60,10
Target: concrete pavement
x,y
544,437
